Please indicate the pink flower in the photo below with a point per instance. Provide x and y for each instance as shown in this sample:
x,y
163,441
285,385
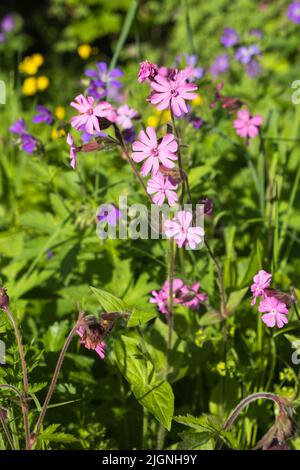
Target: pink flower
x,y
97,345
172,92
73,151
147,71
147,148
161,299
164,187
192,297
125,116
182,230
261,281
247,125
182,294
277,312
88,114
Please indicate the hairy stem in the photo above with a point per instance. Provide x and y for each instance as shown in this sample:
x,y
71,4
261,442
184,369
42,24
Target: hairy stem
x,y
6,430
54,380
221,280
24,403
170,301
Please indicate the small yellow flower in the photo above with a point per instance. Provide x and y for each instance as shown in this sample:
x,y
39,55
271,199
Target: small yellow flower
x,y
38,59
84,51
29,86
28,66
60,112
57,133
197,101
42,83
152,121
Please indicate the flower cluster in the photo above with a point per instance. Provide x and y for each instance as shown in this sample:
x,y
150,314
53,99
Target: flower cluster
x,y
188,296
245,54
272,305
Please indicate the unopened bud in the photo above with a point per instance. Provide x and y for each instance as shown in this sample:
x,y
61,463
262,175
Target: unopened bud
x,y
4,299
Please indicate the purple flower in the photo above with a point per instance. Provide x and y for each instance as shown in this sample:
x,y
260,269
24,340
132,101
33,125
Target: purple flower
x,y
293,12
253,69
43,115
197,122
129,135
245,54
109,213
29,143
276,312
230,37
103,81
220,65
7,23
18,127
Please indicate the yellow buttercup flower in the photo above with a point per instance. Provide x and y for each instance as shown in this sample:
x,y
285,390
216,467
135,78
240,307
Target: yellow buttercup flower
x,y
84,51
197,101
42,82
38,59
57,133
60,112
31,64
28,66
152,121
29,86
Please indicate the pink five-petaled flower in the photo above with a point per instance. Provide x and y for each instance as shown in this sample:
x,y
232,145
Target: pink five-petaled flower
x,y
261,281
98,346
73,151
162,187
148,148
276,312
172,92
88,117
246,125
182,230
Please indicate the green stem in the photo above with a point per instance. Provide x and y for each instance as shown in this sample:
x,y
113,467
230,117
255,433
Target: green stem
x,y
53,382
24,402
221,280
6,430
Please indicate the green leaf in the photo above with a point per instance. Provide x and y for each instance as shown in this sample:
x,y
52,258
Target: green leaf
x,y
109,302
210,318
138,369
235,299
138,317
55,337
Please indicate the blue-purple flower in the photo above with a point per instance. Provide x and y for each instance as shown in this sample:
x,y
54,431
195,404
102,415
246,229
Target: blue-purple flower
x,y
43,115
245,54
28,142
293,12
230,37
220,65
103,81
7,24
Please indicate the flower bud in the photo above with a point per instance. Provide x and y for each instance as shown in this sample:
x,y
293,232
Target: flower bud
x,y
4,299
